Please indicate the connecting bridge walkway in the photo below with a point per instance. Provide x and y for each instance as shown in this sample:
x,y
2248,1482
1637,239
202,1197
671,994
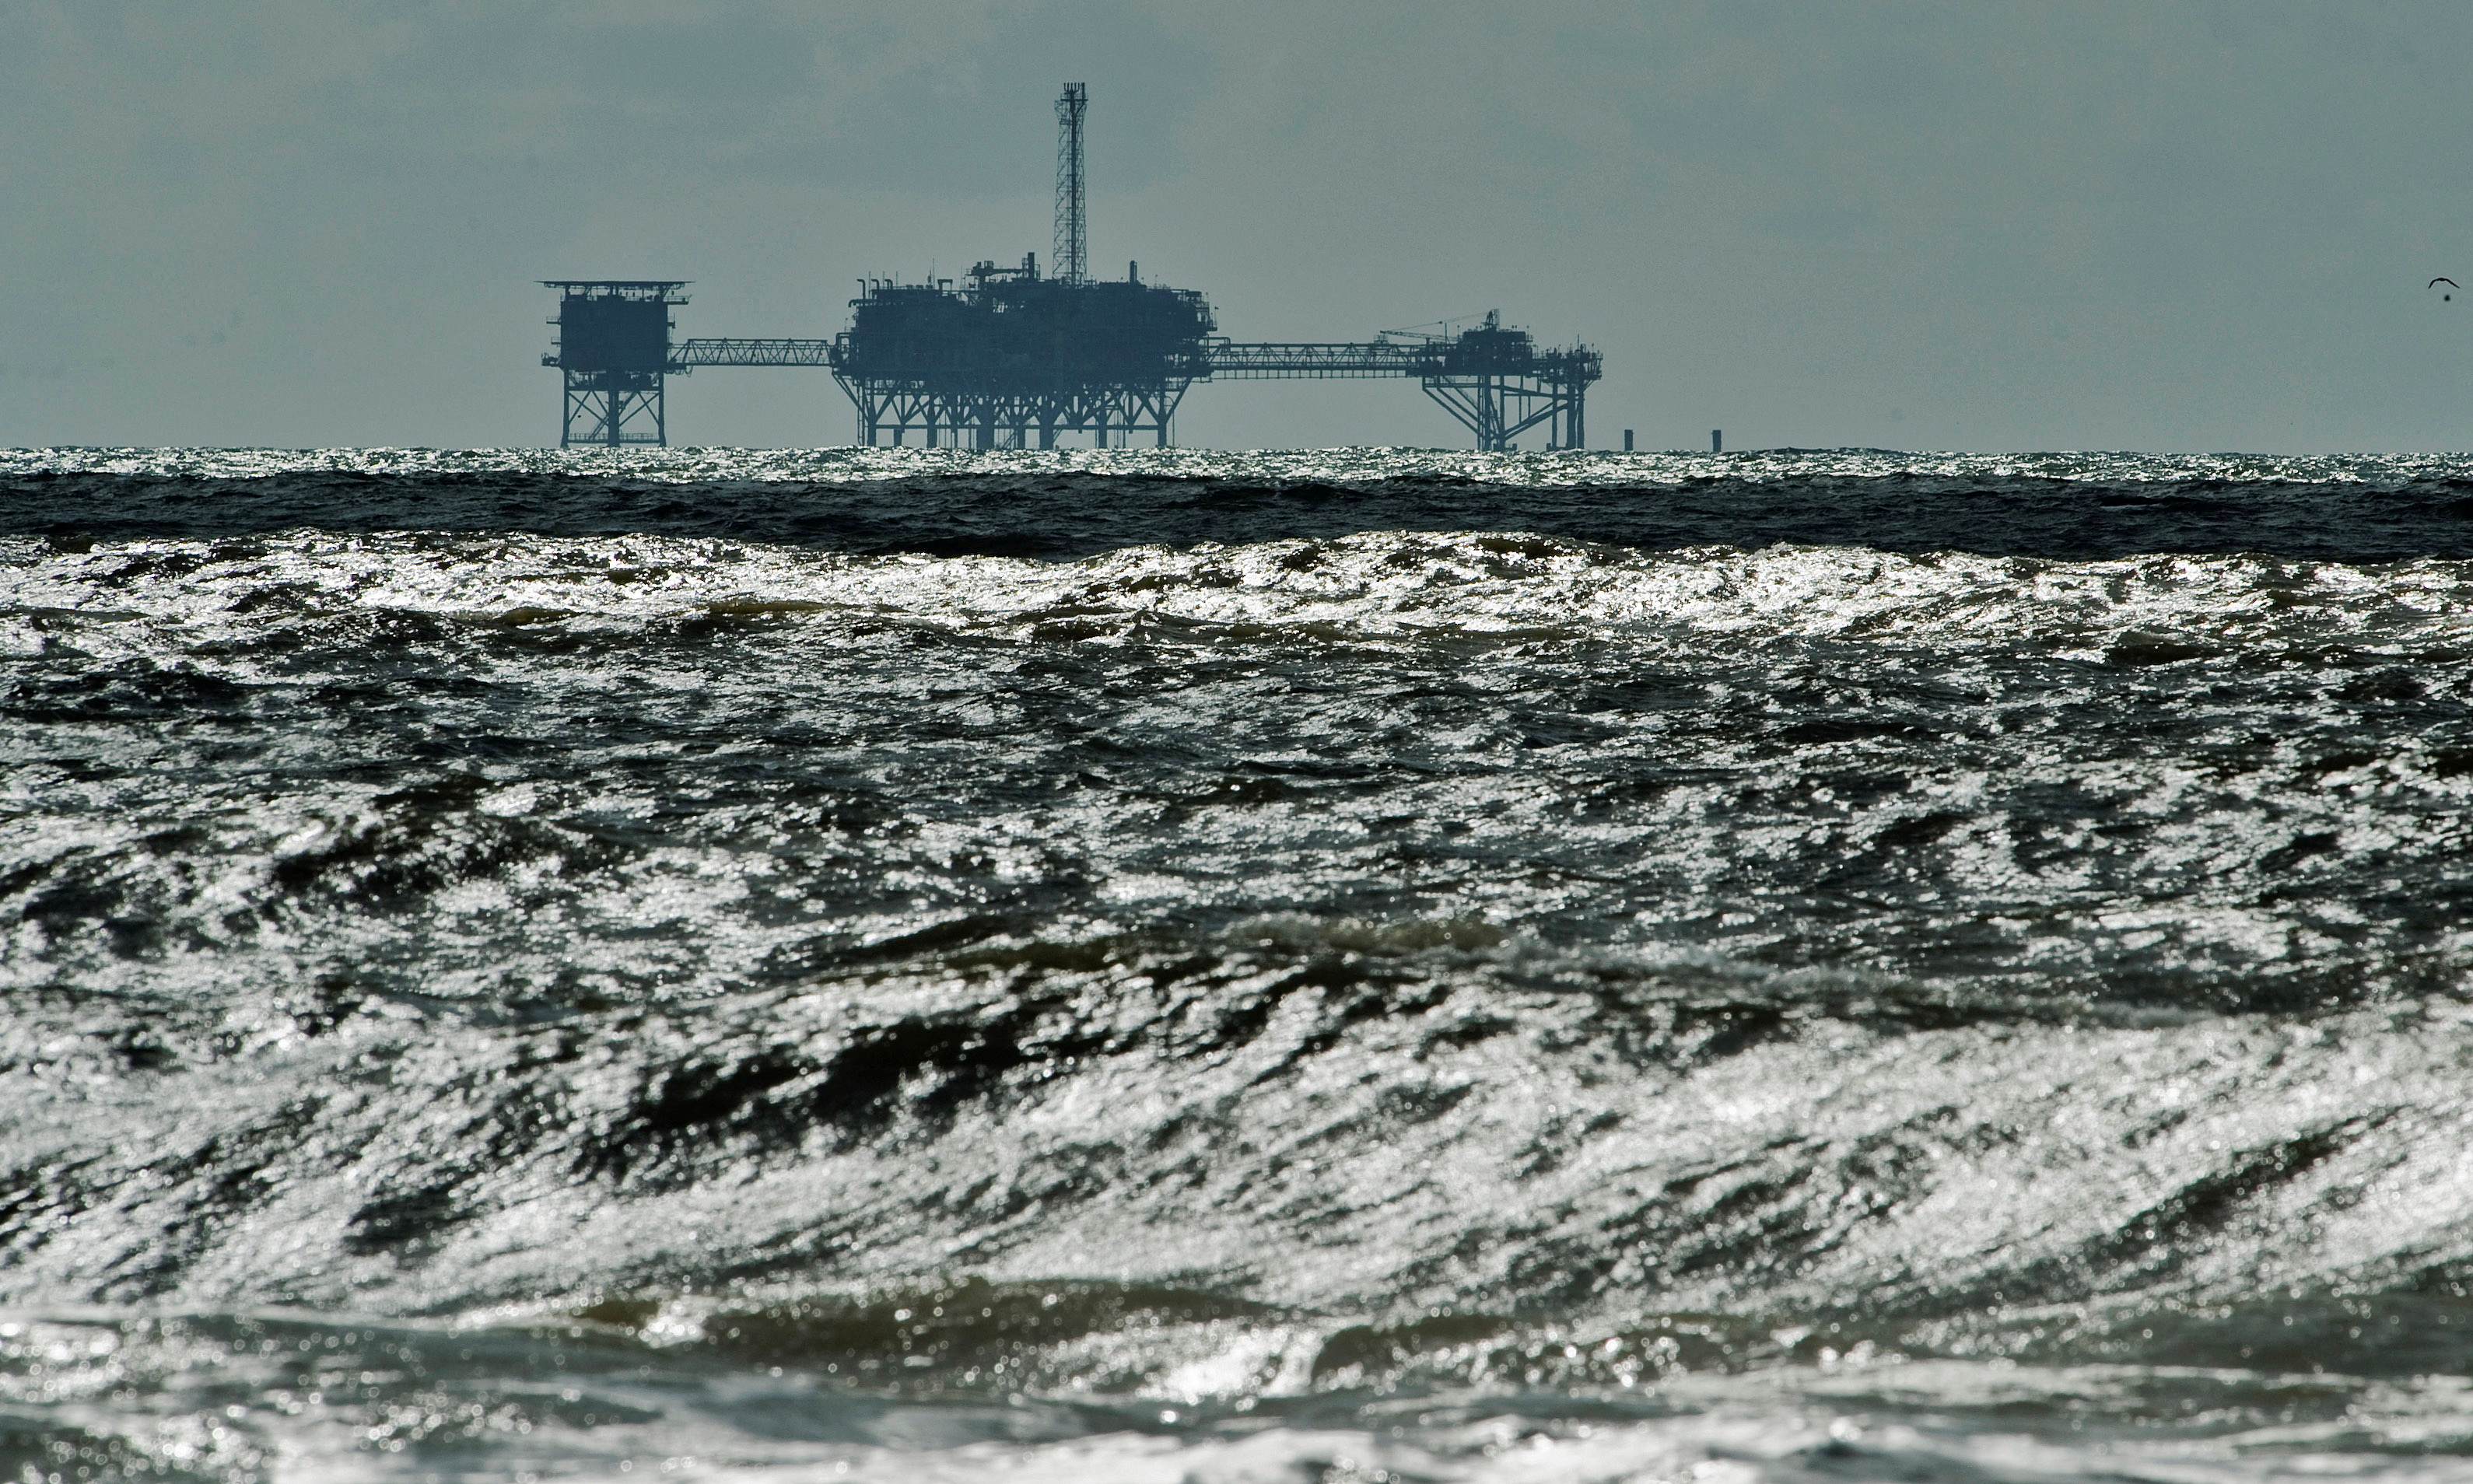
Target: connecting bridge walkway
x,y
1494,382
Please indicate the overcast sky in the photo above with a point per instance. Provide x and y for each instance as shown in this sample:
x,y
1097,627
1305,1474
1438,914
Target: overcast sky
x,y
1981,225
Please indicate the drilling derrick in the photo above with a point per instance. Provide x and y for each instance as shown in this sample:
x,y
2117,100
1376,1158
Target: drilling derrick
x,y
1012,354
1072,260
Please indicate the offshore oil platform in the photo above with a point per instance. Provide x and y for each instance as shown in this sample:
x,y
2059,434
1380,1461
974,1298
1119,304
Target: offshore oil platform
x,y
1011,355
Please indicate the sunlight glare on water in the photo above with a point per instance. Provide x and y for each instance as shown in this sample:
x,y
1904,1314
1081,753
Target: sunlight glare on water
x,y
1343,964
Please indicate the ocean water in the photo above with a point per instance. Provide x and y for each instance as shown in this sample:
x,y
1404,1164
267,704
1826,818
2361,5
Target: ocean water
x,y
1343,966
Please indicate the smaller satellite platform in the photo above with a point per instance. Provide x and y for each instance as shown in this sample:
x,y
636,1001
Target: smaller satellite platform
x,y
614,349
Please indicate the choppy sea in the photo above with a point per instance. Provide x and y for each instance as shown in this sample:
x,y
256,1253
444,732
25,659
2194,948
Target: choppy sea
x,y
1317,967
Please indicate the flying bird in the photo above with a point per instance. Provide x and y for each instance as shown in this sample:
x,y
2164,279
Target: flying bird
x,y
2450,282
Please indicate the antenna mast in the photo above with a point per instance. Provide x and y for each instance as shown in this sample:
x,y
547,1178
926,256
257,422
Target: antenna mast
x,y
1072,249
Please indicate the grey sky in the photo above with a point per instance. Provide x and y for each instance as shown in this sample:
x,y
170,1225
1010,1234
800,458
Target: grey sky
x,y
2195,226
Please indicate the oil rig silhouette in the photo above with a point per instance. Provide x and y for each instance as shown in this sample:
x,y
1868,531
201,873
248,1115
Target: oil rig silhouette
x,y
1011,355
